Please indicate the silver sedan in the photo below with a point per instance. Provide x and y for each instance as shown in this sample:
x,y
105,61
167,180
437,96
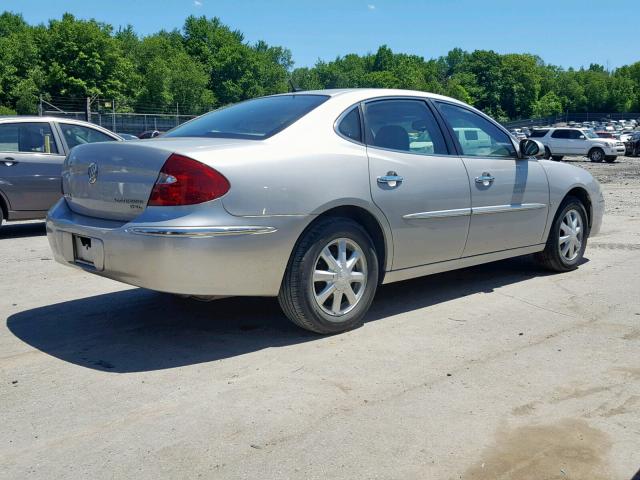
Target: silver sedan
x,y
317,198
32,150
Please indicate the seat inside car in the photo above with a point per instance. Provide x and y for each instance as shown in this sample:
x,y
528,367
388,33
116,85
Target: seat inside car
x,y
30,140
392,136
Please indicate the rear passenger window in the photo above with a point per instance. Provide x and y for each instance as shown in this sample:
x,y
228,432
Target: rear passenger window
x,y
27,137
538,133
477,136
404,125
350,125
560,134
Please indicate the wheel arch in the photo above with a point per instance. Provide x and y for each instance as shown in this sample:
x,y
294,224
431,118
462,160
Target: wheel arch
x,y
582,194
4,206
379,232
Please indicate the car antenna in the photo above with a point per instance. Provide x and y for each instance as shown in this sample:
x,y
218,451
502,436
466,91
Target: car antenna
x,y
293,87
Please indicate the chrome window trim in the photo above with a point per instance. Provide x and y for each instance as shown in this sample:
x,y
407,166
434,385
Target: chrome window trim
x,y
201,232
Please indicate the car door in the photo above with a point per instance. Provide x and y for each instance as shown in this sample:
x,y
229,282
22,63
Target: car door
x,y
417,181
579,143
560,143
30,165
509,196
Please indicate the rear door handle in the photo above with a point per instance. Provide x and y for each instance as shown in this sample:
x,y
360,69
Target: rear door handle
x,y
391,178
485,179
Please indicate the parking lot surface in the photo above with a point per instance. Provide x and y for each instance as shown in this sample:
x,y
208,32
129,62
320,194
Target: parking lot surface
x,y
501,371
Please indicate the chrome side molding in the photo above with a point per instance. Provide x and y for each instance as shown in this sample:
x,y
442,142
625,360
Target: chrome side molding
x,y
457,212
200,232
464,212
507,208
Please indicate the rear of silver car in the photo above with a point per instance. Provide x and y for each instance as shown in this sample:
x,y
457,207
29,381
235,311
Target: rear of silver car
x,y
105,225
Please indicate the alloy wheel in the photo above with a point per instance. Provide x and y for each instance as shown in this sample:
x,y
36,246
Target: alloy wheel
x,y
339,277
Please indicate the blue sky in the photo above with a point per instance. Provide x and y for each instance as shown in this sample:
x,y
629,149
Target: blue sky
x,y
563,32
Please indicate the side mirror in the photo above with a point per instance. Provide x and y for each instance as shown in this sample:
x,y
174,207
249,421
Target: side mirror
x,y
582,137
531,148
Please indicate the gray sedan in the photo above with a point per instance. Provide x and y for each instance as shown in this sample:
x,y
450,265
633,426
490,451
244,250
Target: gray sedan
x,y
32,150
317,198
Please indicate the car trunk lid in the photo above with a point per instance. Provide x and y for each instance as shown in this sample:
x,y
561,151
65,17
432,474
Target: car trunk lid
x,y
113,180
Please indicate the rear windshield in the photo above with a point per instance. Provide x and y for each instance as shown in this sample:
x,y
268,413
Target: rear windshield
x,y
538,133
254,119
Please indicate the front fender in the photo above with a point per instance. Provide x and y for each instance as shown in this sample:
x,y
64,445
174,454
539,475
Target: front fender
x,y
562,179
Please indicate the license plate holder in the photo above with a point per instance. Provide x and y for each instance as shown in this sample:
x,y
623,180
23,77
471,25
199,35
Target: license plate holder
x,y
88,252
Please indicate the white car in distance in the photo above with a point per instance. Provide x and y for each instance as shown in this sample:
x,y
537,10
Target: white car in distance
x,y
560,142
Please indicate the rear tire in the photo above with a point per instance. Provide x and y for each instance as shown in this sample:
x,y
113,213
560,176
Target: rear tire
x,y
557,158
547,153
596,155
567,239
325,290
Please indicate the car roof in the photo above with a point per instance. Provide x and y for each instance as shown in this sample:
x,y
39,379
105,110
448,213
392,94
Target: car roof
x,y
35,118
360,94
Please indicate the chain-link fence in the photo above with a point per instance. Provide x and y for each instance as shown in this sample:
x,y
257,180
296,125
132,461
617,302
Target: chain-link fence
x,y
571,117
133,123
108,114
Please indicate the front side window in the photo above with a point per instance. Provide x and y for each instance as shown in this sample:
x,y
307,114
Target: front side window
x,y
477,136
405,125
350,125
31,137
78,135
254,119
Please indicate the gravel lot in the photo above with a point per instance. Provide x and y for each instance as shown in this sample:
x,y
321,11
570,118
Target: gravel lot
x,y
495,372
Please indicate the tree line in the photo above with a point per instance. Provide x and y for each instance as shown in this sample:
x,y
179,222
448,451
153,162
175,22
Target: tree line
x,y
207,64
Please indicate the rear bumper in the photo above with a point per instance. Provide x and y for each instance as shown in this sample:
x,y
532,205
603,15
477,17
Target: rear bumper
x,y
228,256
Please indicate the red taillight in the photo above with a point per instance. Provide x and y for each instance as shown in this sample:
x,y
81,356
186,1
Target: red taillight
x,y
184,181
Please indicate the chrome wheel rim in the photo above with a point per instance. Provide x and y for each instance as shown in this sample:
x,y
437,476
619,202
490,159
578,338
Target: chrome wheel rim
x,y
571,235
339,277
597,155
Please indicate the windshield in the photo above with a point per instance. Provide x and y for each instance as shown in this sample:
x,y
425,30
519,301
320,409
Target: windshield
x,y
589,134
254,119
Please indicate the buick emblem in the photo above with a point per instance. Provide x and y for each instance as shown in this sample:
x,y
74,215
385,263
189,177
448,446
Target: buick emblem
x,y
93,173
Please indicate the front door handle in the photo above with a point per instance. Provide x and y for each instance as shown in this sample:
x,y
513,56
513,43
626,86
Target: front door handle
x,y
391,178
485,179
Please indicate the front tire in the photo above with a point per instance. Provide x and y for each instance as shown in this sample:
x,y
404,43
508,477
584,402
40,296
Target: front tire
x,y
567,239
331,278
547,153
557,158
596,155
610,159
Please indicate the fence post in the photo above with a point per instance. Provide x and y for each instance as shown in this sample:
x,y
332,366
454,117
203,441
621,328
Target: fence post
x,y
113,118
177,115
40,106
87,110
